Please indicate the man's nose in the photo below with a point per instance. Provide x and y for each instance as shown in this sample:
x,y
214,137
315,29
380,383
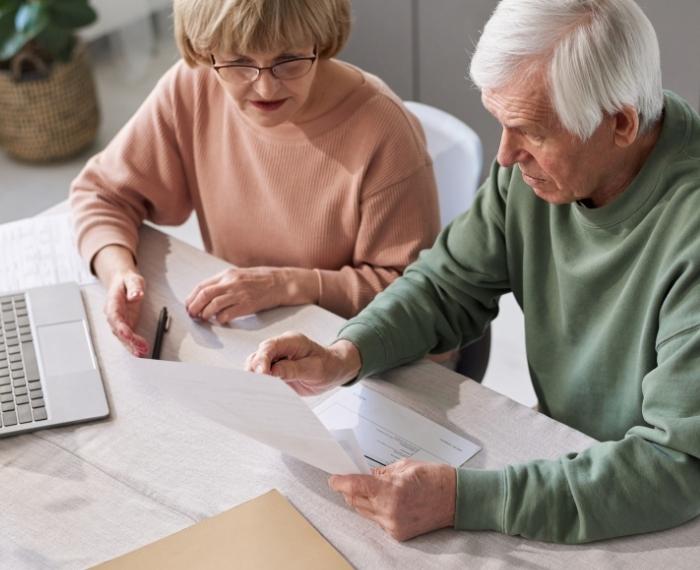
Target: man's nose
x,y
509,150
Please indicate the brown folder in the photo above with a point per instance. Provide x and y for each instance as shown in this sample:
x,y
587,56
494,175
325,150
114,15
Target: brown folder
x,y
266,532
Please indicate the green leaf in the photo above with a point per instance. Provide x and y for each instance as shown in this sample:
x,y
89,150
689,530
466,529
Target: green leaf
x,y
7,26
31,18
9,7
72,14
13,45
56,41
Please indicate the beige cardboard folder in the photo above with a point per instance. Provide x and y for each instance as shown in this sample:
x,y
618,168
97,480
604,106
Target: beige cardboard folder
x,y
266,532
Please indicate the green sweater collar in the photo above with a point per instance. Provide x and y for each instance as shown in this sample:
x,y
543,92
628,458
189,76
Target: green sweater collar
x,y
636,199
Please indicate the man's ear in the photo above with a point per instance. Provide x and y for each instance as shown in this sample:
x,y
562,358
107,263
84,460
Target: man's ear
x,y
626,126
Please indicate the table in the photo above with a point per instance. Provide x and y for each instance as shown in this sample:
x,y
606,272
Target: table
x,y
82,494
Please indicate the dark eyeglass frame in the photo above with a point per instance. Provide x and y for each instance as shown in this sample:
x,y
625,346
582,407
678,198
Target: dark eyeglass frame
x,y
218,66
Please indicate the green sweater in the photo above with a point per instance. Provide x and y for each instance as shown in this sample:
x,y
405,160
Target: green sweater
x,y
611,299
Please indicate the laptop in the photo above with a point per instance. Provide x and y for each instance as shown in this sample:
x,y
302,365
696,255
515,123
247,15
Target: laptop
x,y
48,369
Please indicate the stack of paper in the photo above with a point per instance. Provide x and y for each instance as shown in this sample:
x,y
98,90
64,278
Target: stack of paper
x,y
40,251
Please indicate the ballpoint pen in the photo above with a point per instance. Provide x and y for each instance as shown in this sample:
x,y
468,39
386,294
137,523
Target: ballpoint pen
x,y
161,328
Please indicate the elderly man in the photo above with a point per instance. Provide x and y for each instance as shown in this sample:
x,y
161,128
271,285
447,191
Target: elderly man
x,y
590,217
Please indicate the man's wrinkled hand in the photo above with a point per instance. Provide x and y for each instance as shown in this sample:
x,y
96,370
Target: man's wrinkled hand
x,y
305,365
406,499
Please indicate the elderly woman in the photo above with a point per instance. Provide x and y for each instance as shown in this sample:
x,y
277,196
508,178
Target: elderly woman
x,y
306,173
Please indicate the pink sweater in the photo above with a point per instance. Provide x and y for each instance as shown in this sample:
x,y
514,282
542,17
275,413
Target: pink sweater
x,y
350,194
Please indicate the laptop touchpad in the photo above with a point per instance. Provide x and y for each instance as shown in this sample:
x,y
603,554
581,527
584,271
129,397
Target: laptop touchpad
x,y
65,348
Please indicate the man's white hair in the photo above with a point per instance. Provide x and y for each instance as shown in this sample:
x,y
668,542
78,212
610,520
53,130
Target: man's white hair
x,y
598,56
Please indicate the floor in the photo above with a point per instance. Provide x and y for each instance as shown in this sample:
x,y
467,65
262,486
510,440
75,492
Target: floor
x,y
127,66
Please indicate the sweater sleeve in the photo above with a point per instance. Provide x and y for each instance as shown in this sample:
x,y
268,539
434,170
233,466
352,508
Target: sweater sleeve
x,y
444,300
396,223
647,481
138,176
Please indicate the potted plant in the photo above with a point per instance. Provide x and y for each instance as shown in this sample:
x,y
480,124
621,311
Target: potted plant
x,y
48,104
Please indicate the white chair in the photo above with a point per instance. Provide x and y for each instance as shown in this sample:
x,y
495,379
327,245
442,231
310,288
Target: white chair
x,y
457,158
457,161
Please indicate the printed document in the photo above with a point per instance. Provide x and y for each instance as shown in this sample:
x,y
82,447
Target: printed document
x,y
40,251
259,406
388,432
353,429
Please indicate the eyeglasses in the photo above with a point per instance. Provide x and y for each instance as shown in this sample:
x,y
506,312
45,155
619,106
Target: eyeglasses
x,y
243,73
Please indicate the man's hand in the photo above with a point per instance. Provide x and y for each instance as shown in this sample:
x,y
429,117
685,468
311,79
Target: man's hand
x,y
306,366
406,498
237,292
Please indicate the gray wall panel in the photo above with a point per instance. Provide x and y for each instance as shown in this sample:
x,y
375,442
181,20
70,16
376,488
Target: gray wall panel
x,y
382,42
421,49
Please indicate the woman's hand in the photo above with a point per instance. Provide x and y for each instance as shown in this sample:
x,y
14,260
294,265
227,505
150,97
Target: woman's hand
x,y
115,267
307,367
123,309
237,292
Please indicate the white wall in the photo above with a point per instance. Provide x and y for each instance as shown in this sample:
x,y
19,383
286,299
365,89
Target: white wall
x,y
115,14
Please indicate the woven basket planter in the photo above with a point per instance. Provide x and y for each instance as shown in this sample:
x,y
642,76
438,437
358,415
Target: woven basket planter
x,y
49,118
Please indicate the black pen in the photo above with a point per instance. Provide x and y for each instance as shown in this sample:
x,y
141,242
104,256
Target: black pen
x,y
161,327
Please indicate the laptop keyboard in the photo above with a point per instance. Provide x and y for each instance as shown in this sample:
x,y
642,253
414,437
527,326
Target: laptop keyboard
x,y
21,396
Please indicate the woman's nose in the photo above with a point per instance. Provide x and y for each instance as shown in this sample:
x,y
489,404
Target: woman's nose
x,y
266,85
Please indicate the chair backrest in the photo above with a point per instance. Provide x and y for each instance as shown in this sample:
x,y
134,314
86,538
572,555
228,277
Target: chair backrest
x,y
457,158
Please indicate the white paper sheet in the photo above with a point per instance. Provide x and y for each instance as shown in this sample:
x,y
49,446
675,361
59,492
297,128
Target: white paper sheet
x,y
40,251
388,432
255,405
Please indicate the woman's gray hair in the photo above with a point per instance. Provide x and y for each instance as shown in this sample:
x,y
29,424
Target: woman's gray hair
x,y
598,56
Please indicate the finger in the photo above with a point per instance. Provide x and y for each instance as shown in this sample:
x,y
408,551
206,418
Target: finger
x,y
262,363
134,286
384,470
196,302
201,285
134,342
290,345
358,502
216,305
361,485
205,297
257,363
268,351
286,369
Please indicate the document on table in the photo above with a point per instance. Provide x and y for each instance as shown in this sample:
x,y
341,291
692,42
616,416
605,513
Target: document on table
x,y
388,432
261,407
40,251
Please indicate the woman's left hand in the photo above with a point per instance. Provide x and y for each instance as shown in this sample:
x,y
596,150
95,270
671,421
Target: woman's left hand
x,y
236,292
